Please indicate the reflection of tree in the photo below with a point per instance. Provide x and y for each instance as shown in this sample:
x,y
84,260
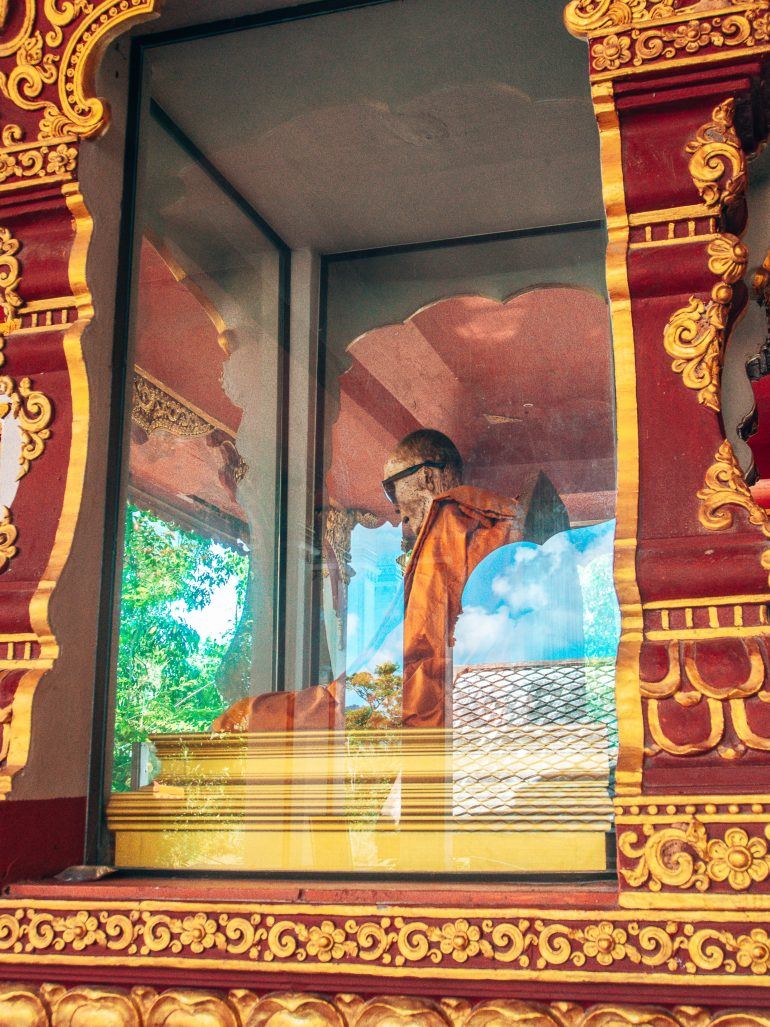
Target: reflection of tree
x,y
601,616
381,696
166,680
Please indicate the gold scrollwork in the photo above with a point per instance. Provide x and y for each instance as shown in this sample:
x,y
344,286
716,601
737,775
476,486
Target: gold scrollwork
x,y
40,62
10,277
627,36
8,536
671,857
676,856
694,336
717,161
33,413
682,856
725,488
52,161
585,16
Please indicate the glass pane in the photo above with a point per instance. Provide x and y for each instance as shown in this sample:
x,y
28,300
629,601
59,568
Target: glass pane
x,y
199,557
439,694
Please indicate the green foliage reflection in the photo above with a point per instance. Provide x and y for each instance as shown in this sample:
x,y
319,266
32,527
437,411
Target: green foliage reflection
x,y
169,676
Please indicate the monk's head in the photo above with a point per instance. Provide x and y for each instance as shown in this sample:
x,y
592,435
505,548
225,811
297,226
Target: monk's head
x,y
423,465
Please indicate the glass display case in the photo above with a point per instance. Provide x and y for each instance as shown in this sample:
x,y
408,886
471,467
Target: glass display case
x,y
367,612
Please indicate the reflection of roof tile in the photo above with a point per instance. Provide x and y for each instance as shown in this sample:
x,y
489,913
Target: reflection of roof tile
x,y
527,735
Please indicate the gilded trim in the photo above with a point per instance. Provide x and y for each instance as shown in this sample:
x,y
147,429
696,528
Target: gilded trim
x,y
630,723
659,946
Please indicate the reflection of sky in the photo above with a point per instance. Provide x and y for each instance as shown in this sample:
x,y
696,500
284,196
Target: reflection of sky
x,y
523,603
550,602
375,599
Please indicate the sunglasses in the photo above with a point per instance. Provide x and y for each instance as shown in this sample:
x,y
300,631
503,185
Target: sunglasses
x,y
390,483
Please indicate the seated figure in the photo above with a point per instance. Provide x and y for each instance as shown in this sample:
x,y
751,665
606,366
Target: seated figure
x,y
448,528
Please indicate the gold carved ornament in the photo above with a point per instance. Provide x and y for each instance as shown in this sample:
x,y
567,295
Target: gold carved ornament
x,y
40,62
695,335
10,276
154,408
682,856
629,35
609,945
684,683
57,1006
32,411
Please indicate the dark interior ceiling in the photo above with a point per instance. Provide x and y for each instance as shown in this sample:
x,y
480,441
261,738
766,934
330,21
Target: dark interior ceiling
x,y
402,122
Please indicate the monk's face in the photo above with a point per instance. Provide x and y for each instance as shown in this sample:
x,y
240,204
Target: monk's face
x,y
413,497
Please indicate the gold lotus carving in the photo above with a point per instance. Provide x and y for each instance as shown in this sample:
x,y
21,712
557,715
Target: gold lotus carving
x,y
56,1006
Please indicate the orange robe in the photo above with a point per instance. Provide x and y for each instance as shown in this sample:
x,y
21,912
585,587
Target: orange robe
x,y
462,527
309,709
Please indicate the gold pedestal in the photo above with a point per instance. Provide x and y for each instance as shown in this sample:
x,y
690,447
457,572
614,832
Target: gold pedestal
x,y
522,799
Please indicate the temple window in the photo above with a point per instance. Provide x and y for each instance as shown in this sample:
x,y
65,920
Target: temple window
x,y
366,619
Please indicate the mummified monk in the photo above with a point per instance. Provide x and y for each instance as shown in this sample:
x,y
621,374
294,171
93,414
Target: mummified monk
x,y
448,528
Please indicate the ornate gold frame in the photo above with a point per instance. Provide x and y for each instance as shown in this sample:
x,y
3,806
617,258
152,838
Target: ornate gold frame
x,y
681,928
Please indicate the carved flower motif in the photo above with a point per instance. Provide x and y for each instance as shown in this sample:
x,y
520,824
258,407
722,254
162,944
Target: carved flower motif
x,y
460,940
199,932
692,36
738,859
327,941
80,930
8,166
604,942
762,27
61,160
754,951
614,51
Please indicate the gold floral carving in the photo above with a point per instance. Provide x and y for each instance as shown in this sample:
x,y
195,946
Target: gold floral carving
x,y
695,335
684,683
717,161
56,1006
683,857
630,35
607,945
49,61
40,62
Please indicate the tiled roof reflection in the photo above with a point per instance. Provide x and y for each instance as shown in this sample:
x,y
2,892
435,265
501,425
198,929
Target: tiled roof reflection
x,y
527,732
